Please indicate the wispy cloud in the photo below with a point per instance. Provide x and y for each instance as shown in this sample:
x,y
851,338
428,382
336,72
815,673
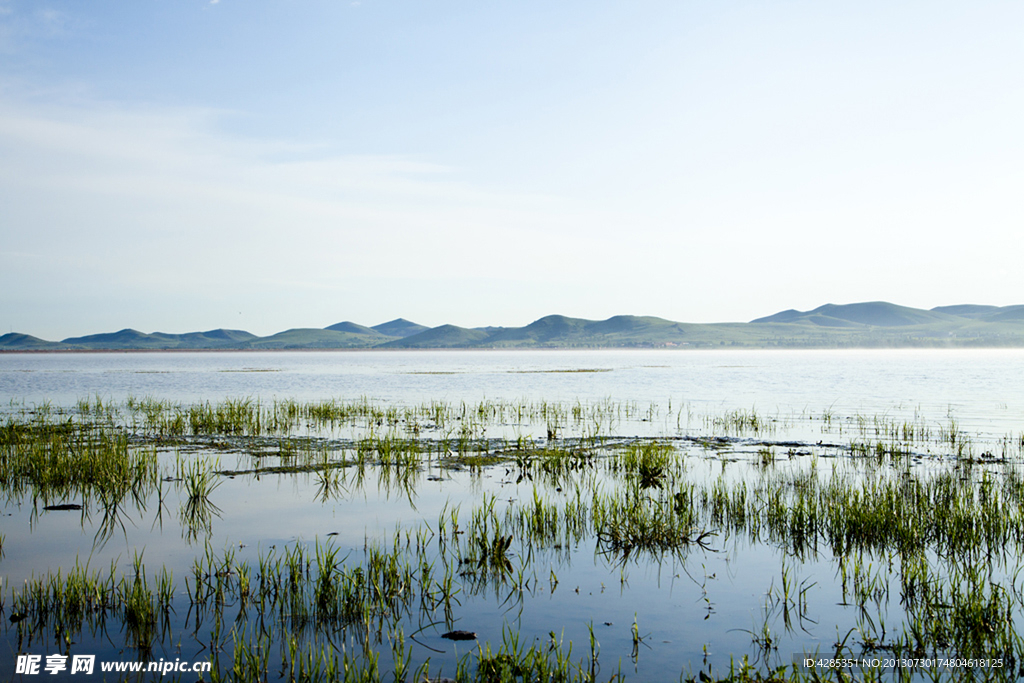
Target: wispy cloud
x,y
52,22
21,23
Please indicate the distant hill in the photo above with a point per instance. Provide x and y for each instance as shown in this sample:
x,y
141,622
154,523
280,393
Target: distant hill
x,y
989,313
968,310
122,338
133,339
560,330
876,313
18,341
313,338
400,327
228,335
353,328
868,324
1006,313
443,337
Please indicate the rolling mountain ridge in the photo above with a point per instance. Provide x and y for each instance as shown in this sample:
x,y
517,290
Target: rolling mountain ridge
x,y
867,324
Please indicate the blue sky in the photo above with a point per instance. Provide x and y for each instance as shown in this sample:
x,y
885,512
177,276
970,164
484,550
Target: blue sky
x,y
186,165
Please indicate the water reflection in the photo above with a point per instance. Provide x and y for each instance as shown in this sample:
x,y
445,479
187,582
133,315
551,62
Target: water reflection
x,y
458,530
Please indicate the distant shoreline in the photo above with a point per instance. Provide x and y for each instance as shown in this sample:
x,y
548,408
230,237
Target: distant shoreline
x,y
874,324
679,349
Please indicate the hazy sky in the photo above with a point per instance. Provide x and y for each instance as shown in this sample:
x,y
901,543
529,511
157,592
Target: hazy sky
x,y
183,165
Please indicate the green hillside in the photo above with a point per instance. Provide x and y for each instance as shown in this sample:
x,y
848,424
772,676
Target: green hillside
x,y
15,341
133,339
400,327
314,338
354,328
443,337
562,331
874,313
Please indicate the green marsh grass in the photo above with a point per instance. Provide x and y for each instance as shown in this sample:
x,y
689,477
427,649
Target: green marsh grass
x,y
649,462
199,479
54,461
925,557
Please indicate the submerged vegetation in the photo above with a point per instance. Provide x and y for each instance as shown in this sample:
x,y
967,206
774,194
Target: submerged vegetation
x,y
867,537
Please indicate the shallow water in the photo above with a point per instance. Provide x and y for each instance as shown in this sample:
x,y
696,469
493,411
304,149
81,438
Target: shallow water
x,y
982,388
703,606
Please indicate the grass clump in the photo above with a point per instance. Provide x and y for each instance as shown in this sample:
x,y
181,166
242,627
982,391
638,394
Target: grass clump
x,y
638,522
57,461
647,463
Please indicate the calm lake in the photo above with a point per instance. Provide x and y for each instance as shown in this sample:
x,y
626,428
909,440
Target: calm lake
x,y
496,437
983,388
